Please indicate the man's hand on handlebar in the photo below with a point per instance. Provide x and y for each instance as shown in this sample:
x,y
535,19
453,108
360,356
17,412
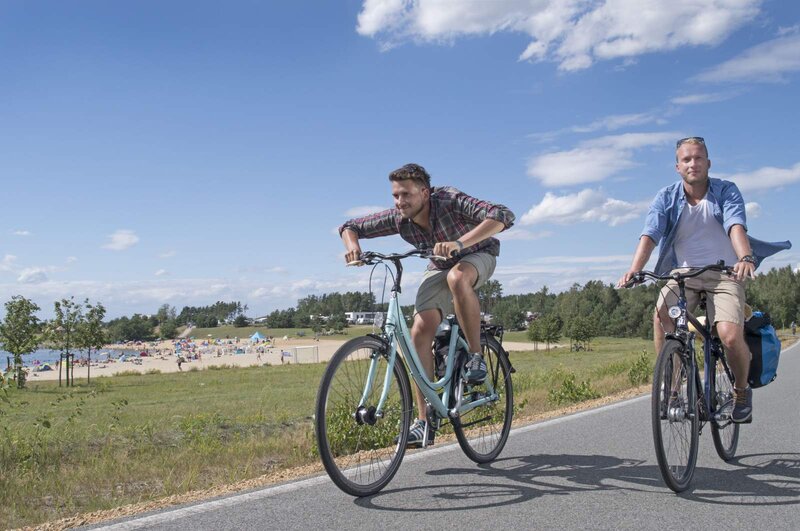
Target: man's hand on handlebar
x,y
743,270
628,279
353,257
447,249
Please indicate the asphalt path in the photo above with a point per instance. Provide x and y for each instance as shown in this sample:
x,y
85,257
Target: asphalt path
x,y
595,469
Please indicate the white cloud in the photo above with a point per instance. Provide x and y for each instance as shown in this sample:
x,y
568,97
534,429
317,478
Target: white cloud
x,y
586,206
72,259
21,232
767,177
121,240
359,211
161,273
574,33
523,234
32,275
753,210
767,62
700,98
606,123
7,264
168,254
594,160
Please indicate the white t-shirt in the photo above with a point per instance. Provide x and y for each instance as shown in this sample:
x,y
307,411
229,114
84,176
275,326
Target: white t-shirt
x,y
700,239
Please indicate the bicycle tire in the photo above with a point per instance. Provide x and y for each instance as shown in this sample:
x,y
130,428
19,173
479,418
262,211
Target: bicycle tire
x,y
724,432
361,458
482,432
676,422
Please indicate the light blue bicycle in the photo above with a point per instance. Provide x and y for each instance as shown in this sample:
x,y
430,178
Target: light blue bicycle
x,y
364,407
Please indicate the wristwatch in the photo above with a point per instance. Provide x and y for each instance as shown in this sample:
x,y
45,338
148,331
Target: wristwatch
x,y
749,258
460,245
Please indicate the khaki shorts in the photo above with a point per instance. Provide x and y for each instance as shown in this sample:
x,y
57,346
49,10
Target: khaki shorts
x,y
724,296
434,292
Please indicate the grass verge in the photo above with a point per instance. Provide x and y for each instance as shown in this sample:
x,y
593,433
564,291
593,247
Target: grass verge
x,y
156,439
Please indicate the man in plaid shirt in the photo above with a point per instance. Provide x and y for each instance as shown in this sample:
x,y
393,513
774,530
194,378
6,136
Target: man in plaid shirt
x,y
447,221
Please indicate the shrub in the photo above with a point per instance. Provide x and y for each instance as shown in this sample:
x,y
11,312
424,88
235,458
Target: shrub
x,y
640,371
569,392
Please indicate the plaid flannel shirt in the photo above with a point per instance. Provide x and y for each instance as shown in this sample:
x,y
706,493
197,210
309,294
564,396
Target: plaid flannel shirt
x,y
453,214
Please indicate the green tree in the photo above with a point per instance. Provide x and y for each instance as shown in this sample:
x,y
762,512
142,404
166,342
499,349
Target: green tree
x,y
488,295
64,328
240,321
508,314
91,334
20,332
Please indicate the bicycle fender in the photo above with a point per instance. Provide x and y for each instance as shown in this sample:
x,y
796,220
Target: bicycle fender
x,y
676,338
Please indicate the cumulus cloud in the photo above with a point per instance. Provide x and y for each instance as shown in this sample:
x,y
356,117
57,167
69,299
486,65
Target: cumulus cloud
x,y
32,275
359,211
121,240
594,160
753,210
767,178
766,62
21,232
573,33
161,273
586,206
167,254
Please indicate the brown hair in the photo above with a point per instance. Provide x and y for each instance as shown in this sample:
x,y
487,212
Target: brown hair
x,y
415,172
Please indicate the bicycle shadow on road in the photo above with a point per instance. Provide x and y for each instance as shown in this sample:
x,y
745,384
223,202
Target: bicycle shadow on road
x,y
758,479
514,480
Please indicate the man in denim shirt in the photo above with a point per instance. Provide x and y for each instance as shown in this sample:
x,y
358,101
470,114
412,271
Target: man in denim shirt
x,y
699,221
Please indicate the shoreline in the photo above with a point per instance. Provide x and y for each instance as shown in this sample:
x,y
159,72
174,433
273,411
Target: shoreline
x,y
166,361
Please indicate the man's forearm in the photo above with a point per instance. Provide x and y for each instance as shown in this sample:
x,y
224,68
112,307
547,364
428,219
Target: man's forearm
x,y
642,254
741,245
485,229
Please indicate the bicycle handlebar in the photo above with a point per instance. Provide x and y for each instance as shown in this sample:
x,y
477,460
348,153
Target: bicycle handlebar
x,y
373,257
641,276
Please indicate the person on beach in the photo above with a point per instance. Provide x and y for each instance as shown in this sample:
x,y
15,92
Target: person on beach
x,y
453,225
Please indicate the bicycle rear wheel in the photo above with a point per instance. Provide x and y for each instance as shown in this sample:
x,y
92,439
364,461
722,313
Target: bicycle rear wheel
x,y
724,432
360,452
482,432
675,417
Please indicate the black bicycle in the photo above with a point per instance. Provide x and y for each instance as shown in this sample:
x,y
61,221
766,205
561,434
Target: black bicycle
x,y
682,403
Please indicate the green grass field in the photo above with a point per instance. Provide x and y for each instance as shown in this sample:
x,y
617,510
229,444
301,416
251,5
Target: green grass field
x,y
134,438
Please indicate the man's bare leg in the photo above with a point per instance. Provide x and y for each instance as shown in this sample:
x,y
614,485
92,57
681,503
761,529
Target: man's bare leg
x,y
461,278
422,333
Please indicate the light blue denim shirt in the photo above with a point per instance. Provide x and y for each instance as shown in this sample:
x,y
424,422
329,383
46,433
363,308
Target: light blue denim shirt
x,y
728,207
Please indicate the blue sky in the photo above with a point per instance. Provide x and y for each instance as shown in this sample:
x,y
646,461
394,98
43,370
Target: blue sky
x,y
189,152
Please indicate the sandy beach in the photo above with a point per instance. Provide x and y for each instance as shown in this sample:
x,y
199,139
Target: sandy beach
x,y
164,360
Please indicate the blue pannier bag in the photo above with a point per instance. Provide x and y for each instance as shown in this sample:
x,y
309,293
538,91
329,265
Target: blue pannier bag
x,y
765,347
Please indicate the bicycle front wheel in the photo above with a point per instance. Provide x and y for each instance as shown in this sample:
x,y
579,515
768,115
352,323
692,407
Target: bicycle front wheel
x,y
360,451
482,432
724,432
675,417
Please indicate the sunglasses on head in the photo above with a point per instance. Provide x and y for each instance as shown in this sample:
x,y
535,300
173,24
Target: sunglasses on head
x,y
693,139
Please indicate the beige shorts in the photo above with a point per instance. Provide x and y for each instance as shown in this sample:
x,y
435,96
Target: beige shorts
x,y
434,292
725,297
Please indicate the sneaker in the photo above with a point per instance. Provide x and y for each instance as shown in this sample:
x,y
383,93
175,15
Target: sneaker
x,y
476,369
416,435
743,405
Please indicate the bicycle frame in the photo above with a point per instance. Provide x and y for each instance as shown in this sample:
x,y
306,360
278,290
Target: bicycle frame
x,y
710,350
395,332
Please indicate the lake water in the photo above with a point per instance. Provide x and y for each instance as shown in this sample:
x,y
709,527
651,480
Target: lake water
x,y
52,356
